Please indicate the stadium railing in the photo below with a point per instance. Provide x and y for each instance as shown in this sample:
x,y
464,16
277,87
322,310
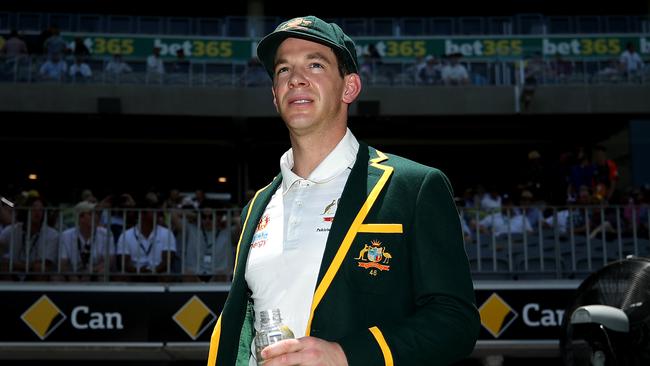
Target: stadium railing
x,y
561,243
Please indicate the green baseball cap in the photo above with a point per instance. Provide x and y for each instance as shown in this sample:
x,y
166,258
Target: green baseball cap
x,y
313,29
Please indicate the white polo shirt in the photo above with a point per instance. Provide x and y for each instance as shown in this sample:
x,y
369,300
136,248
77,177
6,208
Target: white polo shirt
x,y
288,245
146,252
73,243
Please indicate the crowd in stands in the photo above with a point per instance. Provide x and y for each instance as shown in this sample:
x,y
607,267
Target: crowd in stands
x,y
181,237
185,238
578,195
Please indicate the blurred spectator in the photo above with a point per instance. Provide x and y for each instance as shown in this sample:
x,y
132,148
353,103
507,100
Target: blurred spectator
x,y
87,245
147,247
55,45
199,200
119,214
528,208
454,73
534,175
255,74
560,69
580,214
208,248
181,65
611,72
534,73
79,70
14,47
631,62
370,62
429,72
155,65
12,54
366,68
582,174
174,200
54,68
505,221
80,50
87,195
605,175
6,216
117,66
29,245
491,200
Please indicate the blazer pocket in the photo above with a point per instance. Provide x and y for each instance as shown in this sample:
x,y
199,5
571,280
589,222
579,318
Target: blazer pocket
x,y
375,260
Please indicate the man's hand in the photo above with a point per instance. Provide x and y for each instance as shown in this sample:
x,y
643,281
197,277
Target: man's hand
x,y
306,351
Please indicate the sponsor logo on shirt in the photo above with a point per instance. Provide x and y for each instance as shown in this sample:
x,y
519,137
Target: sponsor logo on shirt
x,y
330,209
259,240
261,234
264,222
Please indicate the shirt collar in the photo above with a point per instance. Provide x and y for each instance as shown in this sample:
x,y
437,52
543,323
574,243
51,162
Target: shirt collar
x,y
341,158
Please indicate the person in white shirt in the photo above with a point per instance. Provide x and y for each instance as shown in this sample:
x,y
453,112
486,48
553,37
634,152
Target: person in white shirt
x,y
155,64
631,62
505,221
147,247
454,73
362,252
80,70
87,247
29,245
54,68
207,247
117,66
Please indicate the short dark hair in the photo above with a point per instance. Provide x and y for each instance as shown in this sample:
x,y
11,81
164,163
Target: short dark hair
x,y
340,60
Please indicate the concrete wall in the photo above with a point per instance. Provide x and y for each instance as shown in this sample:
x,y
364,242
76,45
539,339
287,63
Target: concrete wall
x,y
257,102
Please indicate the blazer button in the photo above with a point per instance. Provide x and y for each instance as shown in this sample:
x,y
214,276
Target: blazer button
x,y
313,332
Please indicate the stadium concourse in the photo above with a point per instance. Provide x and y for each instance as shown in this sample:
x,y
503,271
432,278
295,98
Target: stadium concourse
x,y
539,118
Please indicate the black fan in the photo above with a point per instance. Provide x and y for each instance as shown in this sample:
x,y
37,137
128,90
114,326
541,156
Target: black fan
x,y
608,324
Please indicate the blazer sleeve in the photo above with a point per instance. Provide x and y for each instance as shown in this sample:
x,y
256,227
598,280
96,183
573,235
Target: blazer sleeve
x,y
445,323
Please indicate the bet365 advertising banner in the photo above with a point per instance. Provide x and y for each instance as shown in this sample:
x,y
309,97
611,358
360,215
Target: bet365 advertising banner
x,y
600,46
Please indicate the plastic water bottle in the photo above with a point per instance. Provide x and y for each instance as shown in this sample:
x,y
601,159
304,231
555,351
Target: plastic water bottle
x,y
272,330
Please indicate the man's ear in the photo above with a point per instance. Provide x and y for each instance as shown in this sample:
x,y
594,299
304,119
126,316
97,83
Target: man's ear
x,y
352,88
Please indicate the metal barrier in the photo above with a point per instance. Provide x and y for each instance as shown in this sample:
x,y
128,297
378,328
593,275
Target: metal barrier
x,y
553,242
117,245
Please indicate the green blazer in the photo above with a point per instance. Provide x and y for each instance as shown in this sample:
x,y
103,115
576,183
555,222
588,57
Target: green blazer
x,y
394,285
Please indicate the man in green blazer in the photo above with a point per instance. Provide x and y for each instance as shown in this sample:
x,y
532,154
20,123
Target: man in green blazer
x,y
361,251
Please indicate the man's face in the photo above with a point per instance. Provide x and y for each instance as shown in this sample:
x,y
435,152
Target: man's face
x,y
308,90
37,212
206,219
86,219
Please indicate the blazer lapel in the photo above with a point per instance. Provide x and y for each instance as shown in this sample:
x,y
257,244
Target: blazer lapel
x,y
365,183
354,195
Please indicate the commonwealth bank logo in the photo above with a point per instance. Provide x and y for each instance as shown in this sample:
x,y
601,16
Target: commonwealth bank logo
x,y
194,317
496,315
43,317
